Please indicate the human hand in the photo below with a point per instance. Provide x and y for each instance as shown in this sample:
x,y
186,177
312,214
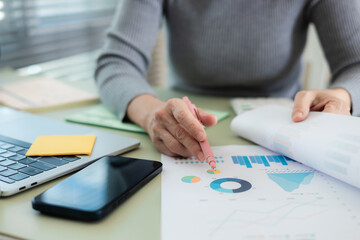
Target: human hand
x,y
172,127
331,100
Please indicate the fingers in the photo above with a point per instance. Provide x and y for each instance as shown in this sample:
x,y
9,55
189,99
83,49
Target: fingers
x,y
163,149
167,143
331,101
207,118
183,115
177,138
186,140
173,130
302,104
336,106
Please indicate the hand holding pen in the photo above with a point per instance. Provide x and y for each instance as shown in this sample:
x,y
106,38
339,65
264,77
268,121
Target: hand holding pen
x,y
172,127
205,147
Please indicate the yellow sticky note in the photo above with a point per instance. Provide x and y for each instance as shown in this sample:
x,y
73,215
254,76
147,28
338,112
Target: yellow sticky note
x,y
62,145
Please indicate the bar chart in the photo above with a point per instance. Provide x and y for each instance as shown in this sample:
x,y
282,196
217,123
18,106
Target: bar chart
x,y
264,160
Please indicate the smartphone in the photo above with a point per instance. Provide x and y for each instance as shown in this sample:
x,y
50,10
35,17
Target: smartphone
x,y
93,192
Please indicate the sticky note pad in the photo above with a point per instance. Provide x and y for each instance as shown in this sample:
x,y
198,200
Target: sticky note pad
x,y
62,145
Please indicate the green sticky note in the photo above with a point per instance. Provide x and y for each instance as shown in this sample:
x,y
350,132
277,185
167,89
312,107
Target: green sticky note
x,y
219,114
101,117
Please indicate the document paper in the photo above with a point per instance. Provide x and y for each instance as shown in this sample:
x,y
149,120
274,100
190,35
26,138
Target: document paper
x,y
255,194
40,94
327,142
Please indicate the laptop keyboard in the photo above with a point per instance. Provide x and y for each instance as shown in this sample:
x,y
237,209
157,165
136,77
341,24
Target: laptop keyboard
x,y
15,166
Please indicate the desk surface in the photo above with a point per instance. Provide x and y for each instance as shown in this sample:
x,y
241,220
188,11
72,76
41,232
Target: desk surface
x,y
137,218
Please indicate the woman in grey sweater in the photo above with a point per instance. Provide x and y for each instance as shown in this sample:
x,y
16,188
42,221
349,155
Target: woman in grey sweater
x,y
225,47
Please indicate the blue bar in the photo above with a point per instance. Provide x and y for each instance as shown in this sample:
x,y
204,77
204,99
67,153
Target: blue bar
x,y
266,164
235,161
270,158
258,159
240,160
252,159
247,162
275,157
282,160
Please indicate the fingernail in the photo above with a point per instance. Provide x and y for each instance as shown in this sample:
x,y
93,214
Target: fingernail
x,y
298,115
204,114
200,156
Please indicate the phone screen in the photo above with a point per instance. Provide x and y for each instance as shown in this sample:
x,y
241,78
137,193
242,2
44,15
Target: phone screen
x,y
94,191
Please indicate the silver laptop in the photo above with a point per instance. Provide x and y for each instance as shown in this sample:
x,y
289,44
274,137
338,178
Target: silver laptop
x,y
19,129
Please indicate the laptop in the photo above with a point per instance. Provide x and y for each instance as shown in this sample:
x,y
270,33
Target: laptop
x,y
19,129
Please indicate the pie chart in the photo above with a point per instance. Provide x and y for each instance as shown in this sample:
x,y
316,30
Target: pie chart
x,y
242,185
190,179
212,171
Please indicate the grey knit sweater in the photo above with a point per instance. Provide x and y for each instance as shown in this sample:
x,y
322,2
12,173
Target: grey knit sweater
x,y
228,47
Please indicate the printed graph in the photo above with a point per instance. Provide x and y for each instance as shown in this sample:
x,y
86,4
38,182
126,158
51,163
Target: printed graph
x,y
190,179
193,160
290,181
266,161
242,185
212,171
294,212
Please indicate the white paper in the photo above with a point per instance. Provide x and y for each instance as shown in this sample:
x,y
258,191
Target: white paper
x,y
286,201
327,142
241,105
42,93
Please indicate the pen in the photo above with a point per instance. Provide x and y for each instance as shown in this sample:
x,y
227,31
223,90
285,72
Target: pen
x,y
205,147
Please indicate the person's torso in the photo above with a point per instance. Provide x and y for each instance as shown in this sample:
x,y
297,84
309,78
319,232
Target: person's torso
x,y
235,43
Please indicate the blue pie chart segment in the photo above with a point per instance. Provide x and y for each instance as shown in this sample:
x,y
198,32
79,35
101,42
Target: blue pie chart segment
x,y
244,185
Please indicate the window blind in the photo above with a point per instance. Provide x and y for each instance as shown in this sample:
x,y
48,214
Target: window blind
x,y
35,31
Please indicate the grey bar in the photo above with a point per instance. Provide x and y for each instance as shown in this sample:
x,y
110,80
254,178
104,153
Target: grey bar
x,y
338,157
345,146
336,168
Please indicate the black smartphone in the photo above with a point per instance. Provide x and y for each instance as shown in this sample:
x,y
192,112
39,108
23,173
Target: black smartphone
x,y
93,192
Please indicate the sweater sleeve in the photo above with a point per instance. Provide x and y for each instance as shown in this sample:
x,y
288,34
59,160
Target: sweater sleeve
x,y
125,57
338,26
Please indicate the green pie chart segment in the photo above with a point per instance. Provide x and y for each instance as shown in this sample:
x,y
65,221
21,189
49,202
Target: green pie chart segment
x,y
190,179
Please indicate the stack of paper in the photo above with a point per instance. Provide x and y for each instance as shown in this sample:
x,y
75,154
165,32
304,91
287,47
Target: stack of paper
x,y
42,94
241,105
327,142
